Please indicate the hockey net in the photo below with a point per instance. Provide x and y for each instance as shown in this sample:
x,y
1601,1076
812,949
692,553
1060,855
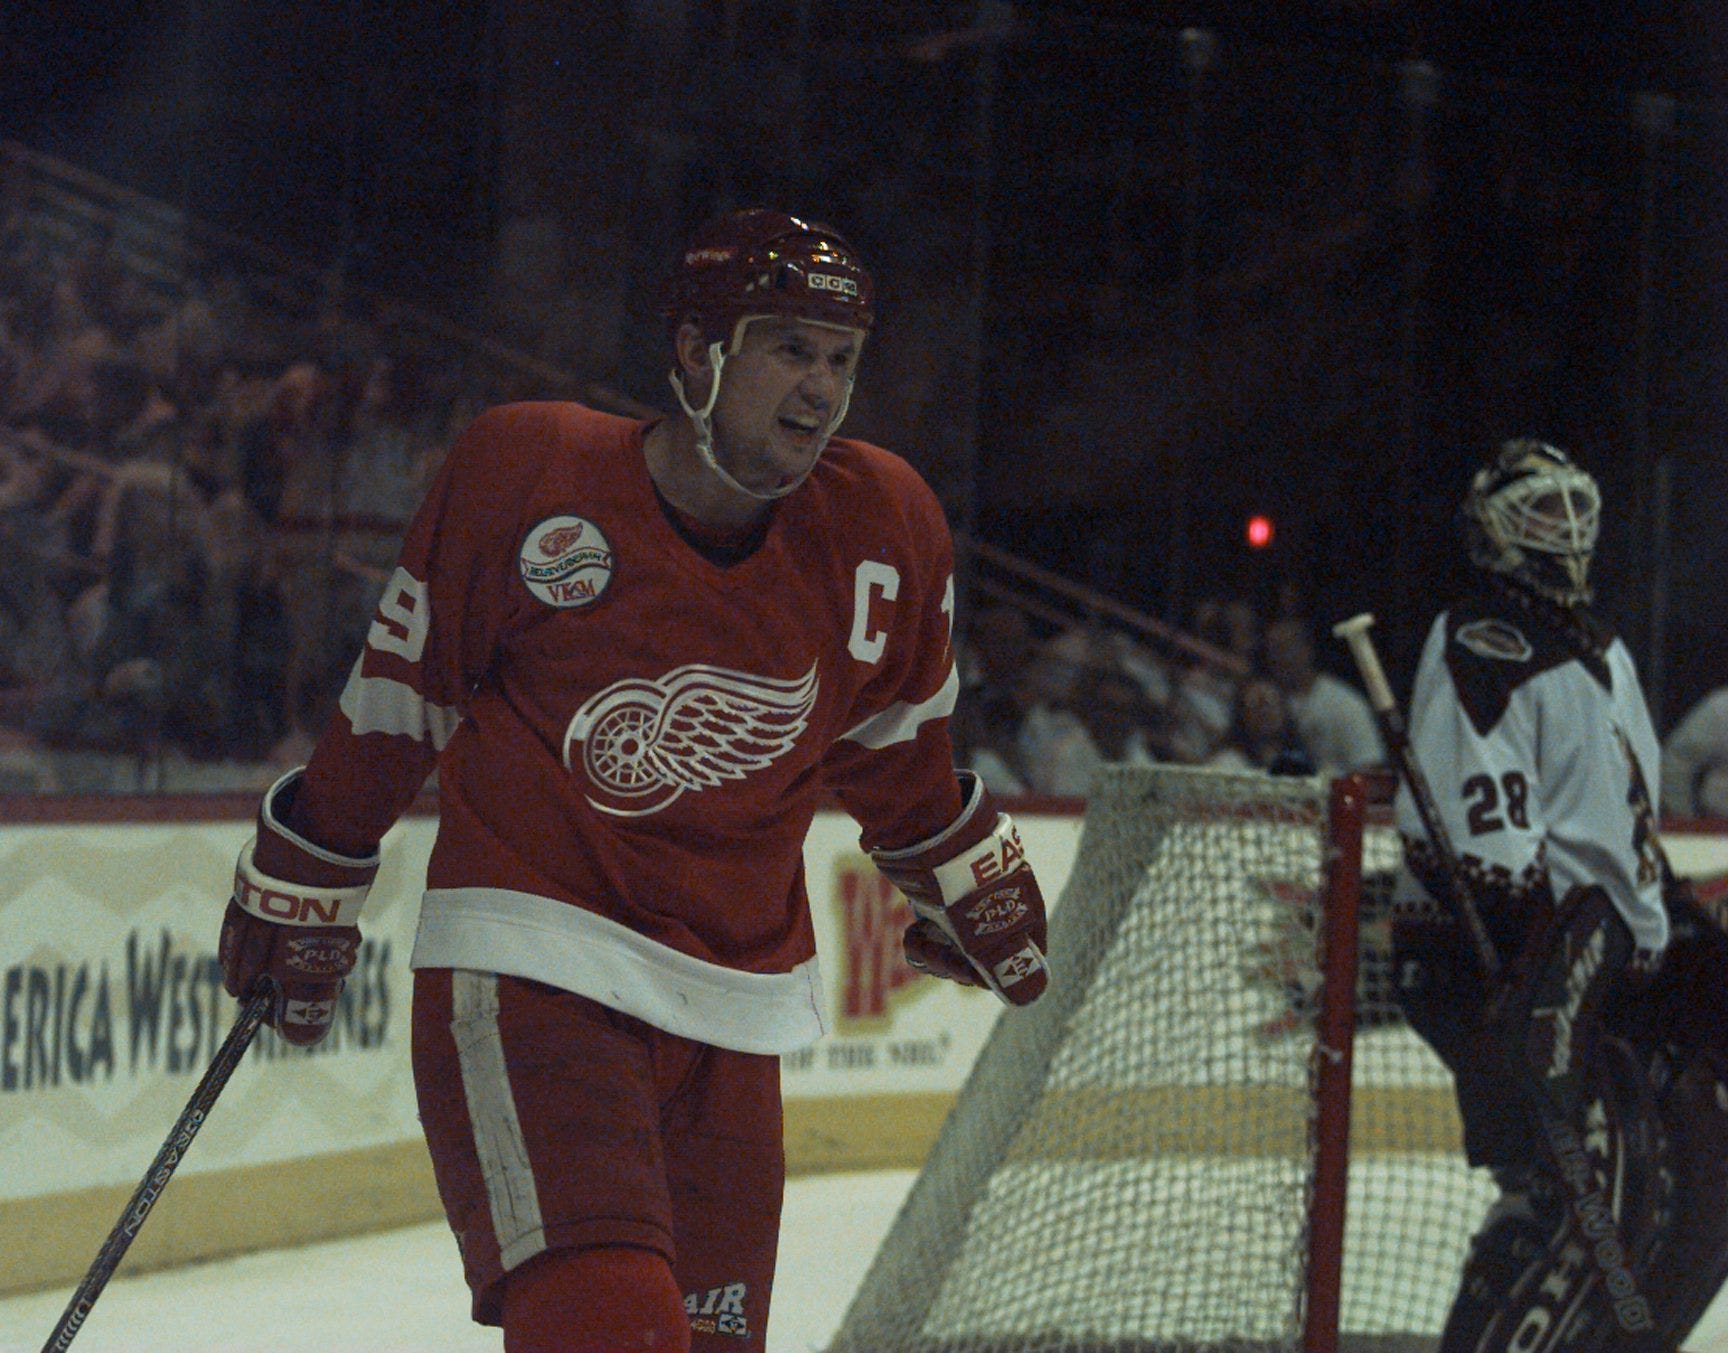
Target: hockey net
x,y
1214,1131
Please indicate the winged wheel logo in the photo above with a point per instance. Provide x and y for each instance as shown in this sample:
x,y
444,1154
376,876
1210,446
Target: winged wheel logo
x,y
641,744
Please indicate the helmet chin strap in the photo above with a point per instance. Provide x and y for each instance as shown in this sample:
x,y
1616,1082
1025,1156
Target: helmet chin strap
x,y
703,421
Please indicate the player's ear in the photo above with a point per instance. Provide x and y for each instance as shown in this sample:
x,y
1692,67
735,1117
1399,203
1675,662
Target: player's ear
x,y
691,349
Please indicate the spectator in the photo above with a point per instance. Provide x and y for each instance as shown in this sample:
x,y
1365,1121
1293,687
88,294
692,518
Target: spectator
x,y
1024,685
290,461
145,671
1332,717
55,343
1059,661
382,474
999,647
34,565
984,725
1151,672
1201,702
1261,735
1056,751
1126,725
1695,760
1053,742
1244,630
1107,719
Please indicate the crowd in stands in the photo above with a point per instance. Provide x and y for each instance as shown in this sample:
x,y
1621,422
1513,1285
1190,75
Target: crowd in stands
x,y
202,492
200,499
1041,712
201,495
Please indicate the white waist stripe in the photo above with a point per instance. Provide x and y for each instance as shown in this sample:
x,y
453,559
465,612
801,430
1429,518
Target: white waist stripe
x,y
525,935
498,1142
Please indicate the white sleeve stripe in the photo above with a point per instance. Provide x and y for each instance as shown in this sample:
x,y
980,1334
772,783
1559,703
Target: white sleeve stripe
x,y
381,705
900,722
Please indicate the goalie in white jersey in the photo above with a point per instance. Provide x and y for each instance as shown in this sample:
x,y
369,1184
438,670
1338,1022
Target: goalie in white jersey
x,y
1529,723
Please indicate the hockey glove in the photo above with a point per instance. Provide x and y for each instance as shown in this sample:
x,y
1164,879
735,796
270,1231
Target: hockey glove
x,y
980,912
292,921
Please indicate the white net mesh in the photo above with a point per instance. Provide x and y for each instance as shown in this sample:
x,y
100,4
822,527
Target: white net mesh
x,y
1130,1165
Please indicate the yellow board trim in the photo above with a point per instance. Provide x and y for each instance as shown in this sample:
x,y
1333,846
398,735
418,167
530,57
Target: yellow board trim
x,y
49,1241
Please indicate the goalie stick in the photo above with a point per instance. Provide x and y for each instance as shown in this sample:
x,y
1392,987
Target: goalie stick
x,y
161,1170
1591,1213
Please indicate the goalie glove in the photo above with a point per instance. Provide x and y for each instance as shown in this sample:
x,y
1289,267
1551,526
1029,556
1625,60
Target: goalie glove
x,y
980,912
292,921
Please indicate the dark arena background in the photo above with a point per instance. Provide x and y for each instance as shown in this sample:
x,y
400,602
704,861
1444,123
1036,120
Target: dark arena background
x,y
1198,318
1148,270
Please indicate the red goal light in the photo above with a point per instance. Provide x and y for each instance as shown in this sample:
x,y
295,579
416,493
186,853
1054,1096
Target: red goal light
x,y
1259,532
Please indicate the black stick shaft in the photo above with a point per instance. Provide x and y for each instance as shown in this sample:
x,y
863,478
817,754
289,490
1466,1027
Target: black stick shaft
x,y
160,1172
1354,632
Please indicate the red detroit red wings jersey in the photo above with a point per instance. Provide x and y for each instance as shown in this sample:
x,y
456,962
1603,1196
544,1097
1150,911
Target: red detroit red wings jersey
x,y
631,740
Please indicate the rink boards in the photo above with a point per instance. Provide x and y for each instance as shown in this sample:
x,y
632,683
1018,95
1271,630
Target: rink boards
x,y
110,1007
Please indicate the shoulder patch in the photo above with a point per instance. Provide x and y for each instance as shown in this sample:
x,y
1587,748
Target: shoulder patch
x,y
566,562
1495,638
1490,657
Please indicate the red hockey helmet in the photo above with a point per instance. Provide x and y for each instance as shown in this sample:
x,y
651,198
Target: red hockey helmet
x,y
748,264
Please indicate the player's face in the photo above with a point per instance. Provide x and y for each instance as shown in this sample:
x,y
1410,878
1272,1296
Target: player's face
x,y
777,395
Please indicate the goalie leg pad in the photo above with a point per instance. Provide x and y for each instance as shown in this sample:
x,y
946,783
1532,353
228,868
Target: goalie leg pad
x,y
1524,1228
1694,1259
1681,1025
1549,1015
1690,995
1530,1284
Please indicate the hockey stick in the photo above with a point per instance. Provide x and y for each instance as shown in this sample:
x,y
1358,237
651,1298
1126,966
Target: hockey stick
x,y
1591,1213
1354,632
160,1172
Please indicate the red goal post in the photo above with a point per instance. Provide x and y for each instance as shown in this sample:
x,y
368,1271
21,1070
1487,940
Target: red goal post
x,y
1334,1058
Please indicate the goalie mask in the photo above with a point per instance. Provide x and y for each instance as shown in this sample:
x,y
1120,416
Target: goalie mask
x,y
751,265
1532,516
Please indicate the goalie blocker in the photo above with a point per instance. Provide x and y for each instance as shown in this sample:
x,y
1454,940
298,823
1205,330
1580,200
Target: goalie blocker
x,y
980,912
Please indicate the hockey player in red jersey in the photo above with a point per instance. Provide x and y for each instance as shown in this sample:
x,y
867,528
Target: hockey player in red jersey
x,y
638,654
1528,720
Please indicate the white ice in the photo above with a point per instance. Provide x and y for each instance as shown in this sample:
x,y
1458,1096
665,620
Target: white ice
x,y
400,1291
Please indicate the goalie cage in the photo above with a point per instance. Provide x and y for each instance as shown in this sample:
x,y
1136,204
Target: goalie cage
x,y
1214,1131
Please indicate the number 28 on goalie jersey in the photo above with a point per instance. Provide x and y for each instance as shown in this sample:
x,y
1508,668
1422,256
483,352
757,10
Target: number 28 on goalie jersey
x,y
1540,756
632,740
